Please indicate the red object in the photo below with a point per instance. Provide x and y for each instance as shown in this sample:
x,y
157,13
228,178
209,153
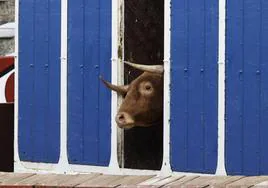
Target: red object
x,y
6,66
9,91
6,62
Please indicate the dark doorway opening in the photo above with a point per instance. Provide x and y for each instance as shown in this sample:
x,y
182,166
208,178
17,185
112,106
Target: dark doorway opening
x,y
6,137
143,44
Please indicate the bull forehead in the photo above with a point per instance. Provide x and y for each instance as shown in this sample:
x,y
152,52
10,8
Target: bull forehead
x,y
155,79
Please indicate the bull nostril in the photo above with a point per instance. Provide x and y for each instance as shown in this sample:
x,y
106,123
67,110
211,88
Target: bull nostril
x,y
121,117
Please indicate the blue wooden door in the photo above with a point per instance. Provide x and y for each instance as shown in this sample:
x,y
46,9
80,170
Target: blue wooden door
x,y
247,88
39,80
89,102
194,78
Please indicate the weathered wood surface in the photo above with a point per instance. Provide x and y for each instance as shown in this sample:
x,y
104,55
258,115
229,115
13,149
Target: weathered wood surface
x,y
29,180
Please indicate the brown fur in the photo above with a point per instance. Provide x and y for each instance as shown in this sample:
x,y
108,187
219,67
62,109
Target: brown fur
x,y
143,102
146,109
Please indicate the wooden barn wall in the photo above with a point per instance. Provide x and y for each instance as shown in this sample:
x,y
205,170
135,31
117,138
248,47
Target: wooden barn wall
x,y
89,101
194,85
39,80
247,88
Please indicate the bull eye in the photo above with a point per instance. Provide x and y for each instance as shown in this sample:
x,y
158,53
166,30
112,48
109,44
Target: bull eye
x,y
148,87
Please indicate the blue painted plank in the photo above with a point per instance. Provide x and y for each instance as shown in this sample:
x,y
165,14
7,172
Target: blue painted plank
x,y
40,97
26,71
251,86
54,70
234,87
39,84
75,79
196,61
91,81
105,95
194,28
179,85
264,89
89,102
246,105
210,86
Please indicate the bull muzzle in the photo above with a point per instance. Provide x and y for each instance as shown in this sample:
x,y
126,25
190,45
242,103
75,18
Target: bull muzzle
x,y
124,120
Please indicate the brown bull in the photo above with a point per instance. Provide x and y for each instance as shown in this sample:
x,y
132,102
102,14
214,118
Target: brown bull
x,y
143,98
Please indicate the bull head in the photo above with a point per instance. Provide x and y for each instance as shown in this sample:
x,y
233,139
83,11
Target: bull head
x,y
143,98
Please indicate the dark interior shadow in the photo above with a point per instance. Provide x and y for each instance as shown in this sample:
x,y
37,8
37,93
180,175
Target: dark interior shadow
x,y
144,44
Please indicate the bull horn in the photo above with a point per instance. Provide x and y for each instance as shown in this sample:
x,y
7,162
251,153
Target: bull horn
x,y
119,89
159,69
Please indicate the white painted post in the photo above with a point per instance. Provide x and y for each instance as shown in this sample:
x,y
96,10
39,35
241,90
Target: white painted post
x,y
62,166
113,161
16,102
166,169
221,90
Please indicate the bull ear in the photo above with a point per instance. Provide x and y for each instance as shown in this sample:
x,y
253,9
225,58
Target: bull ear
x,y
119,89
159,69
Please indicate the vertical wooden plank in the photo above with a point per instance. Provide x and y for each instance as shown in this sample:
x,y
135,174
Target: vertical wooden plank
x,y
89,53
264,89
194,27
246,91
105,69
234,87
91,80
54,46
40,97
26,70
210,85
251,86
75,80
196,60
179,84
38,136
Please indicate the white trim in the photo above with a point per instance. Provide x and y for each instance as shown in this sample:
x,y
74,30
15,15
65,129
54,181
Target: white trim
x,y
13,54
63,160
7,30
3,81
30,167
120,79
17,164
166,169
221,90
113,160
